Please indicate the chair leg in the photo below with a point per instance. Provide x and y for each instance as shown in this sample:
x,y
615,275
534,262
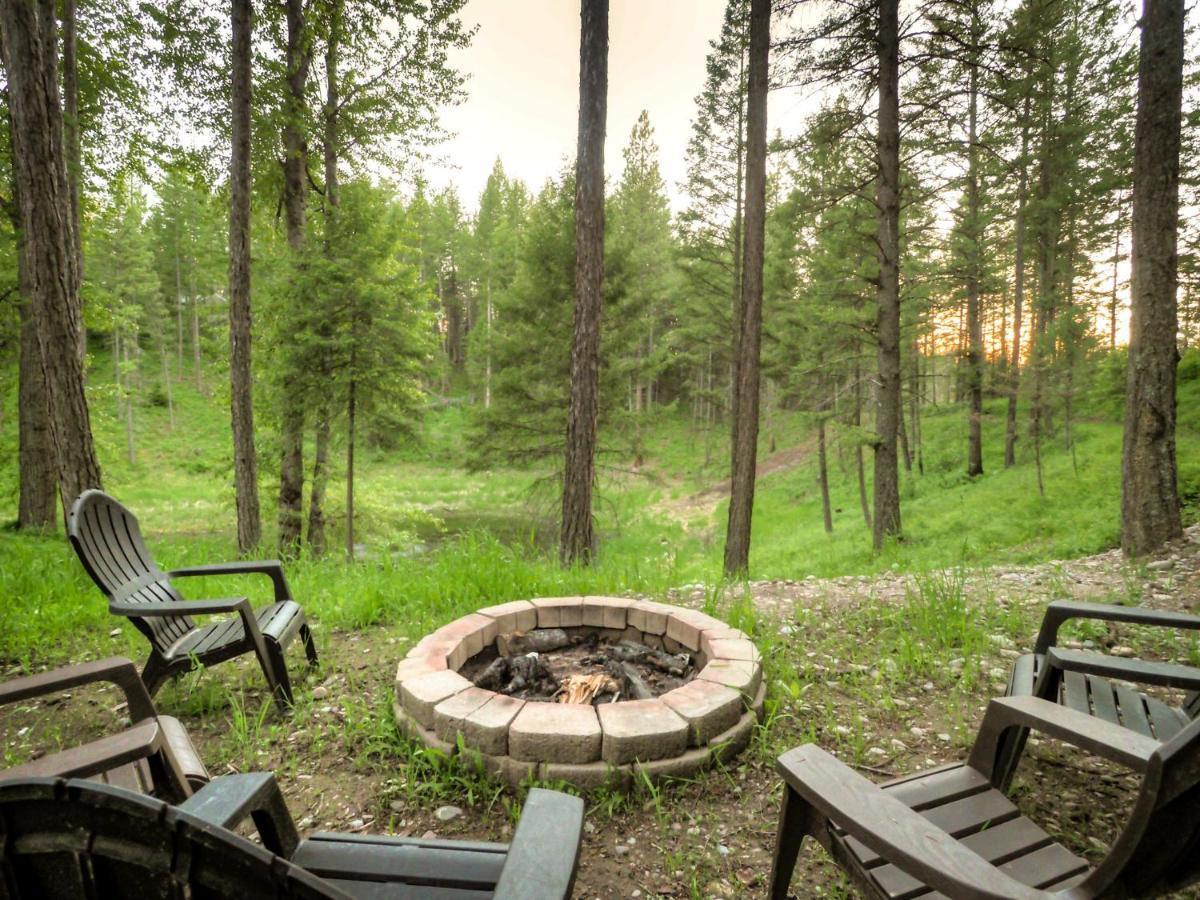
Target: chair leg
x,y
267,664
155,672
792,820
282,683
310,646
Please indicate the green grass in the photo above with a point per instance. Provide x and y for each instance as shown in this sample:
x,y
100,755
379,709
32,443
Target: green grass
x,y
439,540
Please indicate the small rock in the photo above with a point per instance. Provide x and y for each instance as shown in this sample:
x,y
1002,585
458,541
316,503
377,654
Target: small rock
x,y
722,849
320,692
429,836
356,824
396,806
116,632
899,746
589,827
620,849
448,813
917,731
1160,565
942,736
876,752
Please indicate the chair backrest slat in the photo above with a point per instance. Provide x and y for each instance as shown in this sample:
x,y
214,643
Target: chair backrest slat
x,y
109,543
64,840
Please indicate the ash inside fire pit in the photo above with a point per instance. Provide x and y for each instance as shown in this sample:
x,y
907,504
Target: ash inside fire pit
x,y
552,664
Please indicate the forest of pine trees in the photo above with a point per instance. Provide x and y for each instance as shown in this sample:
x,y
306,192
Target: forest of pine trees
x,y
957,219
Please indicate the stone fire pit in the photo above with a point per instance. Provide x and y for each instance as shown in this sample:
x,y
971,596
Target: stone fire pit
x,y
676,734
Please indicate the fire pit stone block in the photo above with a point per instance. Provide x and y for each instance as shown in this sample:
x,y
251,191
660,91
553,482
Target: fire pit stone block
x,y
468,635
421,694
486,727
588,776
555,732
518,615
606,612
741,675
685,765
733,649
640,730
559,612
649,617
685,626
412,666
709,708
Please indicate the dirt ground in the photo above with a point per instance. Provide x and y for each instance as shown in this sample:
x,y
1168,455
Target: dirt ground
x,y
343,768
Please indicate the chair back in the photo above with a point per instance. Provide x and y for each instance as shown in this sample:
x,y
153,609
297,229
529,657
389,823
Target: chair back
x,y
62,840
109,543
1159,850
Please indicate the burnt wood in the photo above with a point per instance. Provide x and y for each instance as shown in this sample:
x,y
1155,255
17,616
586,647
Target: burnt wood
x,y
153,756
1081,680
73,839
109,543
952,832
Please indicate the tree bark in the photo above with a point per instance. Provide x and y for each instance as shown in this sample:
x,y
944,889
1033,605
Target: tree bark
x,y
31,59
1150,513
578,539
70,83
37,474
295,173
887,323
1014,368
320,476
245,465
974,317
749,325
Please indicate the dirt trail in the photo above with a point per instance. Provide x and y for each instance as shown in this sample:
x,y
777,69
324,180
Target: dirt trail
x,y
704,503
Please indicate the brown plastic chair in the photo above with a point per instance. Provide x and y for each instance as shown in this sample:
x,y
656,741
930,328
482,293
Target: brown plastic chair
x,y
62,840
1083,680
109,543
154,755
950,832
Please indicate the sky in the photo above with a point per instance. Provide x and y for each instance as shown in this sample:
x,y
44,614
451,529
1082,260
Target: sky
x,y
523,94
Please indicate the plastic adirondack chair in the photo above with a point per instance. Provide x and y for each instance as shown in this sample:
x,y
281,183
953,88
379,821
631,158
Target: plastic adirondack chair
x,y
1083,680
74,839
951,832
154,755
109,543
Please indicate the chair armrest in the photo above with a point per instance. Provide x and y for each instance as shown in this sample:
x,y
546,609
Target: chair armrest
x,y
1169,675
272,568
1061,611
181,608
228,800
240,605
544,854
116,669
94,757
1112,742
898,834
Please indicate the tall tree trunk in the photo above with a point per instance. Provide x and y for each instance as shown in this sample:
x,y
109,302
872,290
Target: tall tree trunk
x,y
737,232
749,328
37,474
578,538
165,360
197,370
130,383
295,173
860,468
71,144
31,60
1112,300
974,318
245,465
887,324
1014,368
178,309
351,412
320,476
1149,497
